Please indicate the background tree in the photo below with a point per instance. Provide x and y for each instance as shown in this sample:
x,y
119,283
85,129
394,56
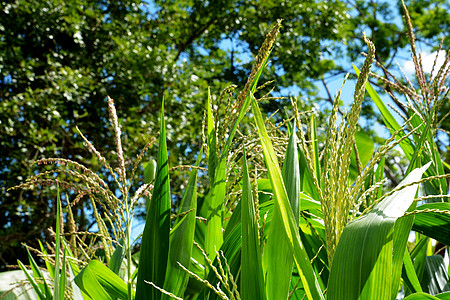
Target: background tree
x,y
60,59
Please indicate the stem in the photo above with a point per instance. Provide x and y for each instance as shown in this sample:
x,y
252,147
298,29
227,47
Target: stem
x,y
128,249
128,222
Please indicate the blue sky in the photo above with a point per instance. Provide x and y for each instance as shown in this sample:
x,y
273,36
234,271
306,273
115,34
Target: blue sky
x,y
403,58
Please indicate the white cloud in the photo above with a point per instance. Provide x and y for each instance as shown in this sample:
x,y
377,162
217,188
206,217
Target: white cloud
x,y
427,63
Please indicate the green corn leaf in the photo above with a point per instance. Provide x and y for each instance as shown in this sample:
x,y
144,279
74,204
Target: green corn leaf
x,y
420,257
214,199
73,270
182,237
99,282
211,141
58,244
402,229
252,280
446,165
435,277
365,146
117,258
231,247
415,160
134,275
307,181
149,176
433,222
37,274
63,278
421,245
155,239
369,268
235,219
32,281
409,275
278,260
314,145
379,175
214,236
443,296
291,229
48,265
72,263
440,185
422,296
422,137
312,234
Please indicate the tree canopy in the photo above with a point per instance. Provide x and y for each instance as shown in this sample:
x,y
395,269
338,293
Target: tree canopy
x,y
59,60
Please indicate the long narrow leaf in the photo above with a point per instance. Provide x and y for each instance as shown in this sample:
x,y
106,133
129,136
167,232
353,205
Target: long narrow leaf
x,y
314,145
442,187
182,237
369,267
365,146
402,229
32,281
58,244
409,274
252,280
211,142
379,175
117,257
307,181
48,265
278,260
63,278
303,263
155,239
231,247
214,236
37,274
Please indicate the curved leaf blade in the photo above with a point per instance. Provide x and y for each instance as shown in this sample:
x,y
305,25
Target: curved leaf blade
x,y
214,236
369,268
291,229
432,222
278,260
99,282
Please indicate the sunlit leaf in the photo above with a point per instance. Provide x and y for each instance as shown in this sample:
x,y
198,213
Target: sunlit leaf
x,y
369,268
306,272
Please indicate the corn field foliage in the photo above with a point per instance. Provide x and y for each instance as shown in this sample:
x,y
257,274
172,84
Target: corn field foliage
x,y
282,216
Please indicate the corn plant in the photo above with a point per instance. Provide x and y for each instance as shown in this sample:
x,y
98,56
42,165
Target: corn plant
x,y
316,226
